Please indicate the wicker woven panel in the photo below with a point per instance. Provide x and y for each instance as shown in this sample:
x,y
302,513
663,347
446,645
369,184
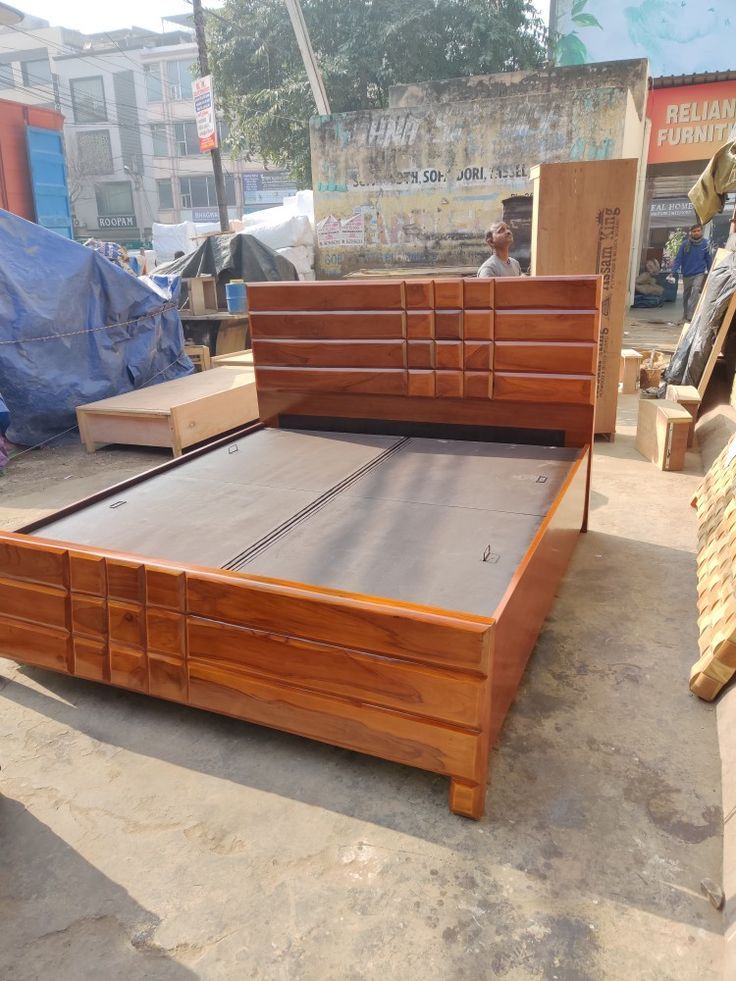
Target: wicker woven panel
x,y
715,502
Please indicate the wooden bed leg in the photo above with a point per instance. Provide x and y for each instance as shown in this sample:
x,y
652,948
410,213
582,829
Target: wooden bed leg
x,y
89,444
467,799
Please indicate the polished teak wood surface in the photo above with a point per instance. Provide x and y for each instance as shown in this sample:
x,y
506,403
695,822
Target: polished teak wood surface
x,y
419,685
469,352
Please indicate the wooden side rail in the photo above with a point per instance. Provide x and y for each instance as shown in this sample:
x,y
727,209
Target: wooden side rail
x,y
401,682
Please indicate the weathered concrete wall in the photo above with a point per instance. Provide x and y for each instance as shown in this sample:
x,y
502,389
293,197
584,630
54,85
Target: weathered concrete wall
x,y
419,186
631,73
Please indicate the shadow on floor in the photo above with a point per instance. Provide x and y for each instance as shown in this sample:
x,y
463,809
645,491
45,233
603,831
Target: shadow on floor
x,y
59,910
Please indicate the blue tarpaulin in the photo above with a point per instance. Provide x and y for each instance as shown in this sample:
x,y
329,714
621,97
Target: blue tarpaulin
x,y
74,328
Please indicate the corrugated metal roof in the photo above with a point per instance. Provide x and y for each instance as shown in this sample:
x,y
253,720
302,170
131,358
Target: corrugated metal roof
x,y
673,81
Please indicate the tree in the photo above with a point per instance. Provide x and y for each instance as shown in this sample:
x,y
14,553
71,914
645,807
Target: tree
x,y
363,47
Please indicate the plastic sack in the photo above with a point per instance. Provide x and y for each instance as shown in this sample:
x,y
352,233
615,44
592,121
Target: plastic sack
x,y
689,360
301,257
278,228
170,239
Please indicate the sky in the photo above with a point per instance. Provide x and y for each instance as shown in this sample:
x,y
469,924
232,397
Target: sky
x,y
96,15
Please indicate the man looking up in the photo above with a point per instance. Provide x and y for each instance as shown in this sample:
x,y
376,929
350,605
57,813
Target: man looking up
x,y
499,239
694,259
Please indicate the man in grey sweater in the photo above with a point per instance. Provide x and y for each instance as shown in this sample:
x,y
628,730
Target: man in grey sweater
x,y
499,239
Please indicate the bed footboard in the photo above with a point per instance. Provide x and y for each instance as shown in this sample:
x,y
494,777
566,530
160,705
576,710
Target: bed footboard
x,y
396,681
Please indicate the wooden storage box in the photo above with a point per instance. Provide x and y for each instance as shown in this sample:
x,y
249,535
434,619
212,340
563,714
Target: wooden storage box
x,y
176,413
628,373
199,355
662,432
689,398
202,295
238,359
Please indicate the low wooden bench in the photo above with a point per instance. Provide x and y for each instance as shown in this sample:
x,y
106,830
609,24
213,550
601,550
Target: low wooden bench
x,y
176,414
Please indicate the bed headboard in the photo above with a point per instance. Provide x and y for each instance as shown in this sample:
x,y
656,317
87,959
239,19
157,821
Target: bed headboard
x,y
503,355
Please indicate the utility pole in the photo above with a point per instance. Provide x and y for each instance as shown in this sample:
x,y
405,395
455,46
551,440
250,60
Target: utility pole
x,y
204,69
310,62
132,171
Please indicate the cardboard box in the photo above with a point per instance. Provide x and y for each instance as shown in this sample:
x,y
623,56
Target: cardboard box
x,y
582,223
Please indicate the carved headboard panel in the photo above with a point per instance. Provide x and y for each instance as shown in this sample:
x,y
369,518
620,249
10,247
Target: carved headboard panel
x,y
507,353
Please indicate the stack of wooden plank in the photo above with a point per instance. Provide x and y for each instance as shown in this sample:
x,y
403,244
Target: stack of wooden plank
x,y
715,502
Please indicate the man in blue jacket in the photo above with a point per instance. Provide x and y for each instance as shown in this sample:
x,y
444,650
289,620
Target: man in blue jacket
x,y
693,259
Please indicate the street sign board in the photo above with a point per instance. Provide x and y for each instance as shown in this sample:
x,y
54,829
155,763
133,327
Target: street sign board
x,y
204,110
262,187
116,221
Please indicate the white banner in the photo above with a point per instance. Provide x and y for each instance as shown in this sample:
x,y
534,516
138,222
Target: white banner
x,y
204,110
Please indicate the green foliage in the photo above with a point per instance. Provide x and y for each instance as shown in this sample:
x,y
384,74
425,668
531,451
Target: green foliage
x,y
673,243
587,20
363,47
569,49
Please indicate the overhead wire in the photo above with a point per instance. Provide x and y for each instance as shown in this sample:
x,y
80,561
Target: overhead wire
x,y
146,75
112,120
67,102
70,51
185,169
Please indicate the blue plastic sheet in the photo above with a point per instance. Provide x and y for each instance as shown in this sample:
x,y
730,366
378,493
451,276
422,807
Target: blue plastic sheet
x,y
4,416
74,328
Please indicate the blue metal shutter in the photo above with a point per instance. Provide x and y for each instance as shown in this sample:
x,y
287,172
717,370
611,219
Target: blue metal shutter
x,y
48,179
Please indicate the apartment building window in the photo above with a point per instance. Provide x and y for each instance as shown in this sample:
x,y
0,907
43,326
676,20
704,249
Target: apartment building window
x,y
95,152
115,198
199,192
160,136
7,77
154,88
187,141
179,79
165,194
36,72
88,99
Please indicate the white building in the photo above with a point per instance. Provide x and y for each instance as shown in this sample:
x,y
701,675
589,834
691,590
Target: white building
x,y
131,139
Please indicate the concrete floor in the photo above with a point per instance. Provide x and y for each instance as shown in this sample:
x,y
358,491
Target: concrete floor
x,y
145,840
656,329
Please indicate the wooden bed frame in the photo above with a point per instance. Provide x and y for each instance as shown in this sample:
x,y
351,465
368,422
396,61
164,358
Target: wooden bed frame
x,y
507,360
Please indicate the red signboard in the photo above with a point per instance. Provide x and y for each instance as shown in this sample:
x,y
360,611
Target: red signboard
x,y
204,110
690,122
